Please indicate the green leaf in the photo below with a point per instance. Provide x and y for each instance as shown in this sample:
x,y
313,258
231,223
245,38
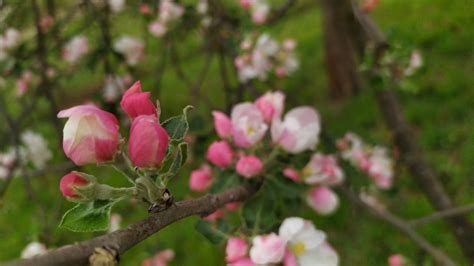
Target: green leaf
x,y
177,126
259,212
285,188
224,180
179,159
215,234
88,217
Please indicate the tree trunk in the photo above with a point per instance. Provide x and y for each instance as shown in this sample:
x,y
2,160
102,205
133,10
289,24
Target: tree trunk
x,y
343,43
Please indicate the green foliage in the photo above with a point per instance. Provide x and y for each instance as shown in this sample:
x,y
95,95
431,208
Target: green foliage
x,y
179,159
88,217
216,233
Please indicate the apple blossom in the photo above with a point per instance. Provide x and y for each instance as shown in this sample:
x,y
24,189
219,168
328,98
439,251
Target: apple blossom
x,y
145,9
416,62
260,10
116,6
148,142
299,130
396,260
135,102
33,249
232,206
35,149
245,4
113,87
381,168
267,249
220,154
236,249
24,82
370,5
322,169
75,49
222,124
271,105
90,134
131,48
249,166
69,181
290,259
157,28
307,243
323,200
248,125
200,179
292,174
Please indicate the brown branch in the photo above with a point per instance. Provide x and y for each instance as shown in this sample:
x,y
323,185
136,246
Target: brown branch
x,y
403,226
124,239
442,214
405,140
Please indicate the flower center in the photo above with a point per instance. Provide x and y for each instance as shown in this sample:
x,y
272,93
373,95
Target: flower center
x,y
298,248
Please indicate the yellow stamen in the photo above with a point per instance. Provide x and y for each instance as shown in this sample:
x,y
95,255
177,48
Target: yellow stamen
x,y
298,248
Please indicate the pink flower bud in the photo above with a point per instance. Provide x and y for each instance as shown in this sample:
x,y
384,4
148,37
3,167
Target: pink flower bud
x,y
322,200
232,206
145,9
242,262
90,134
236,249
289,44
370,5
148,142
292,174
200,179
157,29
271,105
215,215
69,181
249,166
259,17
222,124
396,260
267,249
220,154
245,4
135,102
281,72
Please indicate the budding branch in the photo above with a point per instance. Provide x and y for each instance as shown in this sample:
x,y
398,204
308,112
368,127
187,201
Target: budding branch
x,y
124,239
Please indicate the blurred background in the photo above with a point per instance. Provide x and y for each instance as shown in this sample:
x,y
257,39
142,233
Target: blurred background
x,y
190,59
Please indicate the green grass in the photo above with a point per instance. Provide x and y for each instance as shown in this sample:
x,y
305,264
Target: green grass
x,y
441,113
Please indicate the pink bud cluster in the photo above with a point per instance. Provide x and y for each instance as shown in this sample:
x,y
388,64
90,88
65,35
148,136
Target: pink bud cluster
x,y
260,55
372,160
259,10
7,160
91,135
76,48
169,12
246,129
298,242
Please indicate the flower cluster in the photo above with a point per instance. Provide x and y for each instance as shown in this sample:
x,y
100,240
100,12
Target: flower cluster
x,y
372,160
202,8
169,12
8,40
261,55
131,48
114,86
91,136
247,127
298,242
259,10
76,48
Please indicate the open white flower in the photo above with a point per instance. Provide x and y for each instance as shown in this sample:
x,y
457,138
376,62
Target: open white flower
x,y
307,243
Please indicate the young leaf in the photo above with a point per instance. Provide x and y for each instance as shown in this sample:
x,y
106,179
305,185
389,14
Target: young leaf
x,y
177,126
180,159
223,181
88,217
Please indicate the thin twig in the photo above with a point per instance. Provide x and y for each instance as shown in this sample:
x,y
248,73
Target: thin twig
x,y
441,215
